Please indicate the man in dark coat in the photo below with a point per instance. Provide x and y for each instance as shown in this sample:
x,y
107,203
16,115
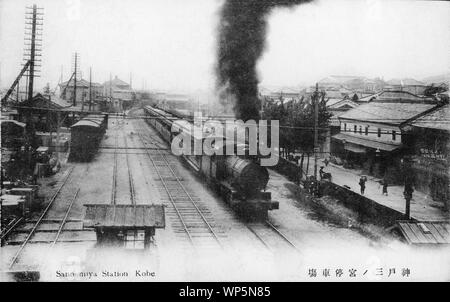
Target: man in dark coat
x,y
362,184
385,184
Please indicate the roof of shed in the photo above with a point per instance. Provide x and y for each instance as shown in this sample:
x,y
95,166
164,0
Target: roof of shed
x,y
425,232
128,216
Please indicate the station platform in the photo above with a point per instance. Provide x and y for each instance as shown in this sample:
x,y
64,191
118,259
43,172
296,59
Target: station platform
x,y
423,207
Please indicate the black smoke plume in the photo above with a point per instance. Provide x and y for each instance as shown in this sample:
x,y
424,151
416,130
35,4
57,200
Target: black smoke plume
x,y
241,42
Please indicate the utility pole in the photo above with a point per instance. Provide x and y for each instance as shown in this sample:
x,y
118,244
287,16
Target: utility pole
x,y
57,135
18,92
33,34
75,67
110,91
316,133
90,88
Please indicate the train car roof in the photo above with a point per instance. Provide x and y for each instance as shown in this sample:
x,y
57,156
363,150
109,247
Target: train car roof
x,y
100,116
22,125
86,123
162,113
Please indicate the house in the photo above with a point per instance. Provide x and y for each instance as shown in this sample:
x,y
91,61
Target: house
x,y
43,111
406,84
371,135
119,94
67,90
337,81
429,146
338,108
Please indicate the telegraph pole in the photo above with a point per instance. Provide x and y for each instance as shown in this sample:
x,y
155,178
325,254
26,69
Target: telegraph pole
x,y
90,88
75,70
316,133
18,92
32,34
110,91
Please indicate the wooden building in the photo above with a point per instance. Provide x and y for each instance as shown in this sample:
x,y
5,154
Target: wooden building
x,y
429,146
372,135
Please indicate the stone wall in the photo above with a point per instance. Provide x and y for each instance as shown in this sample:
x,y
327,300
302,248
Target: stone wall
x,y
369,210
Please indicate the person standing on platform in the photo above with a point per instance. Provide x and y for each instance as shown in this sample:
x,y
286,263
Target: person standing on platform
x,y
385,184
362,184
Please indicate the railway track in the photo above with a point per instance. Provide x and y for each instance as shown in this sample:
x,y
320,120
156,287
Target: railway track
x,y
9,228
130,175
268,234
194,219
271,237
41,220
114,176
64,220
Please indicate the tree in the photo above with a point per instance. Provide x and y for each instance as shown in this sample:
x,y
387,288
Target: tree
x,y
297,123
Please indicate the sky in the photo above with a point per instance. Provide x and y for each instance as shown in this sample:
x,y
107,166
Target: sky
x,y
170,44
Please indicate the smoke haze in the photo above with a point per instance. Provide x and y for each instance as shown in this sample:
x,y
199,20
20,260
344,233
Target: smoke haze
x,y
241,42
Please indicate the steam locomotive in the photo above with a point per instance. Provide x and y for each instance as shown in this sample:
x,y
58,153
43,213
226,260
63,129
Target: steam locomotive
x,y
240,180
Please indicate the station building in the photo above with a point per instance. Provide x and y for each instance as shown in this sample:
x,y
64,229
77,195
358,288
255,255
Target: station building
x,y
372,136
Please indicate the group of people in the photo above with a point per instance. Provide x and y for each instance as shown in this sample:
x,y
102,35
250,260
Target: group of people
x,y
383,183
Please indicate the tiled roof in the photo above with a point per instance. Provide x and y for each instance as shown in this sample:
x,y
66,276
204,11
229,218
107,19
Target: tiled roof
x,y
402,95
116,82
438,119
80,83
45,102
387,112
331,102
342,103
369,98
61,102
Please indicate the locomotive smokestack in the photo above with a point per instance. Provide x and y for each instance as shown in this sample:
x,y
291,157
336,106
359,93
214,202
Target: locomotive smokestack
x,y
242,34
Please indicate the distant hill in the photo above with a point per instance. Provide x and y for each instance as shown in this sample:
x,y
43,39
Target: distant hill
x,y
443,78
